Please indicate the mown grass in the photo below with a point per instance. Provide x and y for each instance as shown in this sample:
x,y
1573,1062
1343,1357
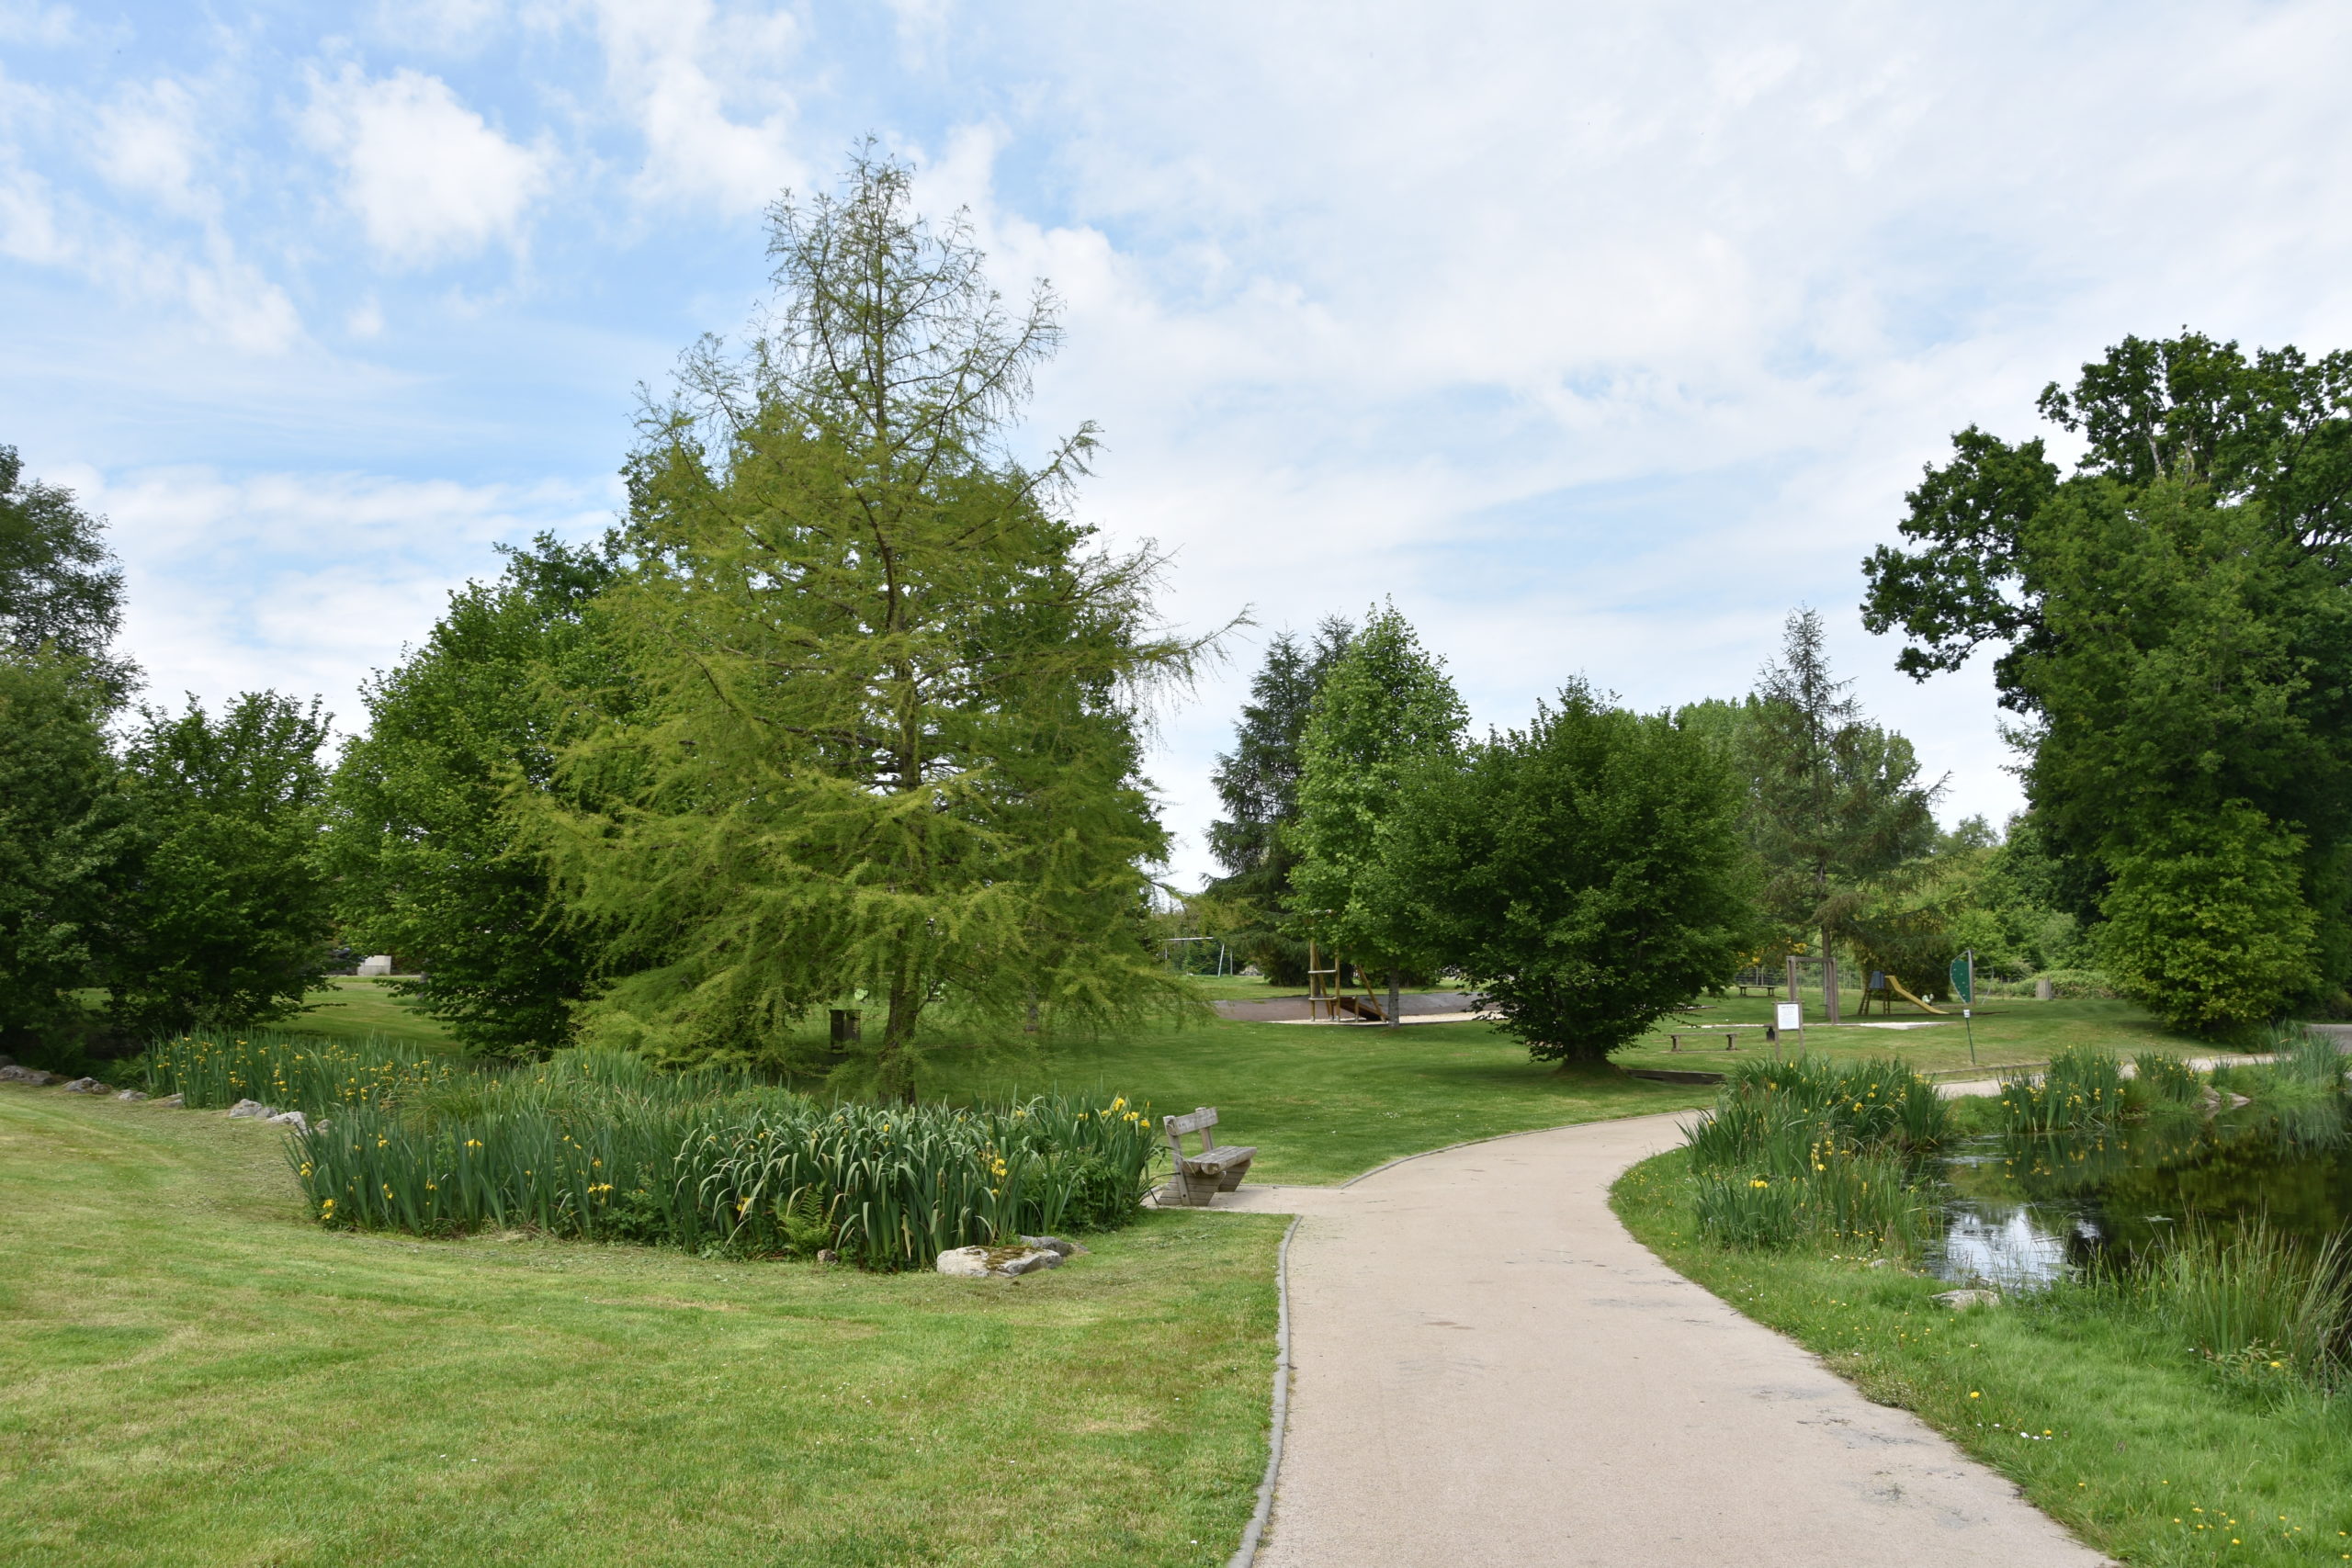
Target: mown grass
x,y
354,1008
1325,1102
2109,1420
191,1373
2008,1032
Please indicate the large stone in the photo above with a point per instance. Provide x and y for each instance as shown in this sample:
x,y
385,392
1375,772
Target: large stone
x,y
1961,1301
132,1094
1055,1244
88,1086
293,1119
381,964
176,1102
997,1262
33,1075
253,1108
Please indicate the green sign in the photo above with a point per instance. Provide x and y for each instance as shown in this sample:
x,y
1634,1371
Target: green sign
x,y
1964,978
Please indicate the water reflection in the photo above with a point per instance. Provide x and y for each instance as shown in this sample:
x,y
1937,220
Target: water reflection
x,y
2024,1213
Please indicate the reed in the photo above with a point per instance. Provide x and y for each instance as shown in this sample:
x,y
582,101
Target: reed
x,y
295,1071
599,1146
2079,1089
2163,1078
2254,1302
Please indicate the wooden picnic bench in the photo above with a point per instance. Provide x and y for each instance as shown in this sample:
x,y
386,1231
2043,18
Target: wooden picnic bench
x,y
1215,1169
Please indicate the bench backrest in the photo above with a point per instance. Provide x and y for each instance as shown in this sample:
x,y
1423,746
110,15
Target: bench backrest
x,y
1200,1121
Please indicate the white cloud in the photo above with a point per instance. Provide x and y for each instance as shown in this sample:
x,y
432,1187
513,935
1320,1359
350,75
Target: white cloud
x,y
302,582
427,177
706,90
147,142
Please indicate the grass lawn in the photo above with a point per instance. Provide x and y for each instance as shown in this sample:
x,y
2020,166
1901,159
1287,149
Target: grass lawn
x,y
352,1007
2007,1031
2111,1428
1323,1104
192,1374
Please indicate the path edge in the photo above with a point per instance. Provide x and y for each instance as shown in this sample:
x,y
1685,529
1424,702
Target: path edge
x,y
1247,1553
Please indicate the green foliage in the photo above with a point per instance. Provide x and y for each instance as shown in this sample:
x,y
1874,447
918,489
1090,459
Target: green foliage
x,y
2174,618
2252,1301
224,912
61,589
61,838
294,1072
1835,800
428,860
1808,1152
887,753
1258,783
2206,924
1585,873
2079,1089
591,1145
2166,1079
1386,709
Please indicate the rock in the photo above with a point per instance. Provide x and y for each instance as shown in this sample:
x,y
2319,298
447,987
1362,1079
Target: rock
x,y
999,1262
176,1102
132,1094
1054,1245
88,1086
1961,1301
1880,1263
293,1119
33,1075
827,1255
253,1108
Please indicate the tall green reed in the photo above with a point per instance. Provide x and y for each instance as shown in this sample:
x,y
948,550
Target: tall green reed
x,y
294,1071
2079,1089
2253,1300
1810,1151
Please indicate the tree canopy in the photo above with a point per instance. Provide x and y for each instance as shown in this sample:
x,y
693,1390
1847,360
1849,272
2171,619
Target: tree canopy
x,y
61,589
1586,873
2171,621
889,746
1384,706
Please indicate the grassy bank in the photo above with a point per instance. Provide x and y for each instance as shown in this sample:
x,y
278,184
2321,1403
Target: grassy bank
x,y
2116,1429
193,1373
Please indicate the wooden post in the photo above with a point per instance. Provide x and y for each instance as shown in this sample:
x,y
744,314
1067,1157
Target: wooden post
x,y
1393,1021
1829,988
1792,979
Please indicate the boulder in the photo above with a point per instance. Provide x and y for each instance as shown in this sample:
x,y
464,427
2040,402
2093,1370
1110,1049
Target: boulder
x,y
176,1102
88,1086
1961,1301
827,1255
997,1262
132,1094
1054,1245
293,1119
33,1075
253,1108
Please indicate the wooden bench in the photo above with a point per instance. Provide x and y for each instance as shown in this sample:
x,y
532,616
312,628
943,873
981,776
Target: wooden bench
x,y
1213,1170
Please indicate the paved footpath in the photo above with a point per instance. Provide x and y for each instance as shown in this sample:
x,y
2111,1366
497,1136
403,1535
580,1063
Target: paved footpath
x,y
1490,1372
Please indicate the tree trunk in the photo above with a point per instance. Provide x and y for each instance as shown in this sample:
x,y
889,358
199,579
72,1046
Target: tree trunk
x,y
891,1070
1393,1021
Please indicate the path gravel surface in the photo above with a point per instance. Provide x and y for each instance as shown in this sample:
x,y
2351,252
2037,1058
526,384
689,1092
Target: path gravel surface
x,y
1491,1372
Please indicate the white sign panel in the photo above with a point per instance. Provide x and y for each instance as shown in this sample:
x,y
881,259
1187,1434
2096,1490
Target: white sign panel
x,y
1791,1015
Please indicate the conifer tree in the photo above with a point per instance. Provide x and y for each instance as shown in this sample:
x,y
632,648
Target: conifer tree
x,y
889,752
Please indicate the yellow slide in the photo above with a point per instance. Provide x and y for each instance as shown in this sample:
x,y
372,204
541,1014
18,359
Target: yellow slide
x,y
1896,987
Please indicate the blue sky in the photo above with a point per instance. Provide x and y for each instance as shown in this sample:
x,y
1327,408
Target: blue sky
x,y
1596,336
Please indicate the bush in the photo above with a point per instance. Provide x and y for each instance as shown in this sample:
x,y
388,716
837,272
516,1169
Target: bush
x,y
2079,984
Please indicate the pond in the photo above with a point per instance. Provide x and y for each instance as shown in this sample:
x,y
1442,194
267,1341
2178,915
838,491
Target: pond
x,y
2024,1212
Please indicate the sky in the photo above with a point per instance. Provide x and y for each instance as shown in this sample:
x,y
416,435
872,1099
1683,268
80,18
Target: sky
x,y
1596,338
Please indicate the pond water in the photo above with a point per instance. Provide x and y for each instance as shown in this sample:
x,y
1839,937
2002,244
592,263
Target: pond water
x,y
2022,1213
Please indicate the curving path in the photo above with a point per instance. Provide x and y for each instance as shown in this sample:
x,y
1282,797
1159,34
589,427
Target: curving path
x,y
1491,1372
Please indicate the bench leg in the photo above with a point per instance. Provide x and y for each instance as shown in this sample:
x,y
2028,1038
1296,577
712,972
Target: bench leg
x,y
1187,1192
1233,1177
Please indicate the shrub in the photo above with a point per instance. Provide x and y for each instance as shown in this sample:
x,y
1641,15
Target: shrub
x,y
2079,984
